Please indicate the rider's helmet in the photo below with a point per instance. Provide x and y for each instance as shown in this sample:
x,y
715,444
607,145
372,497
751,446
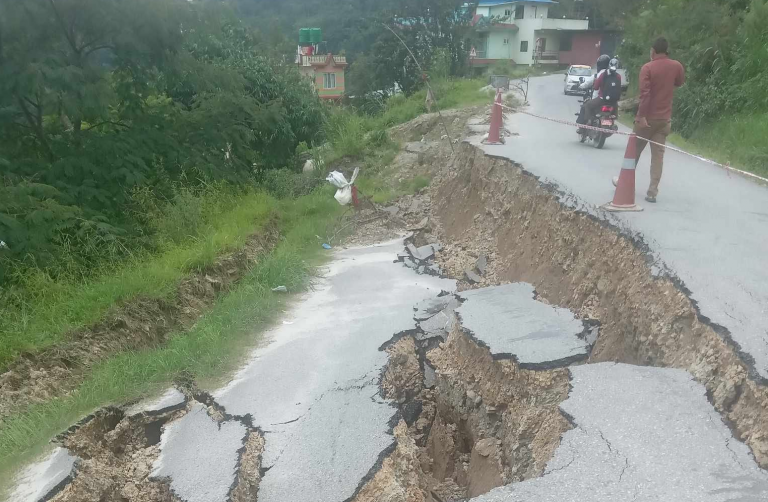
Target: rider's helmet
x,y
603,62
613,65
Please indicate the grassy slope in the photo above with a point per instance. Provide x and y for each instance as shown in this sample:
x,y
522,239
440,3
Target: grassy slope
x,y
213,346
51,308
740,141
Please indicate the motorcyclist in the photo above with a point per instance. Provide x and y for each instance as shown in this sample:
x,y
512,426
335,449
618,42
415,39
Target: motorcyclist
x,y
608,84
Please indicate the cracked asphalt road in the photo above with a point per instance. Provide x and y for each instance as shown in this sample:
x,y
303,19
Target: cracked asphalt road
x,y
313,389
641,434
708,227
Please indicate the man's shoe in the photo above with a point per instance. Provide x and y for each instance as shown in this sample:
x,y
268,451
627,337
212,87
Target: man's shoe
x,y
650,199
615,181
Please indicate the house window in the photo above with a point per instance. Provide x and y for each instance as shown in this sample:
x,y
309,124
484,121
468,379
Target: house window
x,y
329,80
506,41
524,46
520,12
508,12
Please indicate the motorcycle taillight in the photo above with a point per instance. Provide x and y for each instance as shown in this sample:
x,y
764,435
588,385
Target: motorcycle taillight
x,y
607,108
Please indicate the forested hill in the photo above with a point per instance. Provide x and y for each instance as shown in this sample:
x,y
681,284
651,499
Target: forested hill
x,y
103,99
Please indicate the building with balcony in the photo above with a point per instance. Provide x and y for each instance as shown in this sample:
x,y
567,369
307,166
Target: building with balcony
x,y
326,72
524,32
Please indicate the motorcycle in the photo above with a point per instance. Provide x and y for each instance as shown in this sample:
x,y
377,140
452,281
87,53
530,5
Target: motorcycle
x,y
605,121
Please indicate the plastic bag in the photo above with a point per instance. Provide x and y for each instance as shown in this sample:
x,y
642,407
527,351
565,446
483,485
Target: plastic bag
x,y
344,195
344,192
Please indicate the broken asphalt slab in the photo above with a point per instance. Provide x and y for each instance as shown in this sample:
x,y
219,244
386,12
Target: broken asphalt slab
x,y
43,479
436,317
346,431
513,324
641,434
313,390
172,399
199,455
433,306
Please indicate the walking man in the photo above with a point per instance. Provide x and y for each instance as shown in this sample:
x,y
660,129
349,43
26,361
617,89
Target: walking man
x,y
658,80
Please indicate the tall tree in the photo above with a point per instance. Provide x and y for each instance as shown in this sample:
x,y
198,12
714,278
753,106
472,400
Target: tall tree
x,y
100,97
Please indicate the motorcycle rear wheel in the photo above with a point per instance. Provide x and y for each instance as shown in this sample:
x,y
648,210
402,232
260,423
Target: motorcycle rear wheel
x,y
600,141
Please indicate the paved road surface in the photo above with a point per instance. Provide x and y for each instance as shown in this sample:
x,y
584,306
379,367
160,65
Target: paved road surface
x,y
710,229
641,434
314,389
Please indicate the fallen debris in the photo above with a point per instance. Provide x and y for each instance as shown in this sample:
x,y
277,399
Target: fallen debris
x,y
472,277
435,317
421,258
280,289
481,264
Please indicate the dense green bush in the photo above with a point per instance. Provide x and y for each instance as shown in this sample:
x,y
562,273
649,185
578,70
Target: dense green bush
x,y
721,43
104,99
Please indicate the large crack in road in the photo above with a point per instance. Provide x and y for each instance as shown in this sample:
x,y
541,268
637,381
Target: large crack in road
x,y
387,383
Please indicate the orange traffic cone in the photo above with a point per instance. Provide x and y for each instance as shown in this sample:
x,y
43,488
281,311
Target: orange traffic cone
x,y
624,198
495,137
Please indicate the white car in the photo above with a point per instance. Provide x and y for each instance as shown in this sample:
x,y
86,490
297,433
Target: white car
x,y
574,77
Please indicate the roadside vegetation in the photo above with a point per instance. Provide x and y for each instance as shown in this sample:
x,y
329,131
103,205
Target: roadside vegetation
x,y
215,344
722,111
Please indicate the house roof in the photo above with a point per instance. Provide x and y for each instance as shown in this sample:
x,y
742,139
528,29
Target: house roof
x,y
490,3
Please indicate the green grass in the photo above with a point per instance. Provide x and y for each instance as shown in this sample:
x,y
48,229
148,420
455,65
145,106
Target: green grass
x,y
40,312
212,347
357,135
448,93
739,141
382,191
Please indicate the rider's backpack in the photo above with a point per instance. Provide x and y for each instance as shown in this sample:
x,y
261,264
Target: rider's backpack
x,y
611,87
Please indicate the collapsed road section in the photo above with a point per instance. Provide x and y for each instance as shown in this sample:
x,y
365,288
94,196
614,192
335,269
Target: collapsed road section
x,y
529,379
488,418
486,205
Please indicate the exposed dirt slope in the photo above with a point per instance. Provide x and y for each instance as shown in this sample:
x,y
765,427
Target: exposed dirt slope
x,y
481,424
492,206
136,324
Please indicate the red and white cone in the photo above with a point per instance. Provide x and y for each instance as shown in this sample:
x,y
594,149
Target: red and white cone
x,y
624,198
495,136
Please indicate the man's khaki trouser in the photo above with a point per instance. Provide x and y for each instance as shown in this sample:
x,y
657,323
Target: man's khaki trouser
x,y
658,132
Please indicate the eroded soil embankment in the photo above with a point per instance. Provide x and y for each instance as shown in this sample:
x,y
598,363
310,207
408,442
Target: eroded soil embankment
x,y
490,205
136,324
479,423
